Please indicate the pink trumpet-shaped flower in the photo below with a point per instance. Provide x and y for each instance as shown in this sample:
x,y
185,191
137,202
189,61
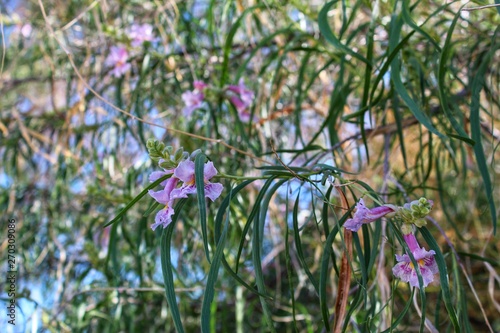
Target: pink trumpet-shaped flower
x,y
185,172
117,58
405,269
365,215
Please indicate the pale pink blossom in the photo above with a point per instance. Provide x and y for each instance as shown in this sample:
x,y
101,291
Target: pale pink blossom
x,y
141,33
118,59
242,98
193,99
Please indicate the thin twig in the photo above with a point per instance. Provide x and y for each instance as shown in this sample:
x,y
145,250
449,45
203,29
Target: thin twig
x,y
480,7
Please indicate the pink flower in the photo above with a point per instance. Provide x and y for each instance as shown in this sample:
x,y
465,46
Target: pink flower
x,y
185,172
26,30
199,85
364,215
193,99
140,33
242,98
164,216
405,270
117,58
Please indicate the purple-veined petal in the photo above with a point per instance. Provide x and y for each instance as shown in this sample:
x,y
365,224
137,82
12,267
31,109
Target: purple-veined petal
x,y
405,270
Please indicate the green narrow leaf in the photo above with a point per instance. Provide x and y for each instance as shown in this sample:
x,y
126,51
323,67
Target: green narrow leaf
x,y
402,313
288,265
112,250
259,276
257,239
154,205
443,65
462,298
493,262
166,267
408,20
443,276
217,233
475,125
398,83
324,27
228,46
251,217
362,260
137,198
199,180
298,244
212,279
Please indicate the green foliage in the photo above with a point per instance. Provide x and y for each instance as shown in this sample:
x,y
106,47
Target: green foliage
x,y
389,101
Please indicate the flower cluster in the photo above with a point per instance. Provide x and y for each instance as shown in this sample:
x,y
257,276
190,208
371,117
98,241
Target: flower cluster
x,y
238,95
411,215
180,167
118,57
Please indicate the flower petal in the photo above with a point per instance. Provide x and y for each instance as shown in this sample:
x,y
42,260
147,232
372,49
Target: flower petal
x,y
209,170
213,190
185,171
161,196
183,192
155,175
364,215
163,218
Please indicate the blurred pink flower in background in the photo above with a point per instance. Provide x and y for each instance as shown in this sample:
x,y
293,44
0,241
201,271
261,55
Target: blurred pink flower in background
x,y
140,33
117,58
193,99
26,30
242,98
